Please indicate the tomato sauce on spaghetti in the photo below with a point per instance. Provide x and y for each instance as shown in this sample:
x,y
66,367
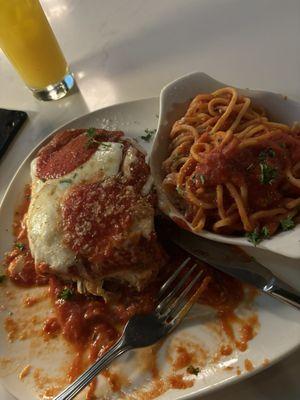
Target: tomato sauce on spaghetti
x,y
232,170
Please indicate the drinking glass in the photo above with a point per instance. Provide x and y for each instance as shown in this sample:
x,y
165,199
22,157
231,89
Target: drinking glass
x,y
30,44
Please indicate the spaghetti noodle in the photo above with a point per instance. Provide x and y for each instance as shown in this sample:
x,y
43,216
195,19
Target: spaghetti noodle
x,y
232,170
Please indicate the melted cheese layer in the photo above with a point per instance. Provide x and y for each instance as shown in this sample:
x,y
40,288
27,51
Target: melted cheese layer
x,y
43,219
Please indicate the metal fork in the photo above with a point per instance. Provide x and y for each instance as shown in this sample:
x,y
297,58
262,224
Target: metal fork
x,y
145,330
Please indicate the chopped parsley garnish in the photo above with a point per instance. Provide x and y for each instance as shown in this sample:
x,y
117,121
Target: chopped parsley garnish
x,y
253,237
202,178
266,153
267,174
149,134
287,224
20,246
66,181
2,278
91,133
193,370
282,145
265,232
66,294
257,236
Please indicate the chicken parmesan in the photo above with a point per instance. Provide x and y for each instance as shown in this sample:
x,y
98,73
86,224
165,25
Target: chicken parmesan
x,y
90,216
85,232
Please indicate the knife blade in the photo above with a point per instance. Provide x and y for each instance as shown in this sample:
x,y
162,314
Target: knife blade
x,y
229,259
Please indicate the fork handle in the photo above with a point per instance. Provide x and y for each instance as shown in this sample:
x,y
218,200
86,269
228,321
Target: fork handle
x,y
86,377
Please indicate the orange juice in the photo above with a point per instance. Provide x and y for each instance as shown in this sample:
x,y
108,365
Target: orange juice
x,y
29,42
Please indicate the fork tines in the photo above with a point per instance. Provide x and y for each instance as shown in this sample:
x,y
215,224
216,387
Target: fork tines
x,y
180,291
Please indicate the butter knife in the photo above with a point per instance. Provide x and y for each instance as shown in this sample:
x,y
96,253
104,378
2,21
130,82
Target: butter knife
x,y
229,259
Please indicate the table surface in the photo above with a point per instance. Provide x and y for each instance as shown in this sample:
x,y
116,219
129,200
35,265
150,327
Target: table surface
x,y
123,50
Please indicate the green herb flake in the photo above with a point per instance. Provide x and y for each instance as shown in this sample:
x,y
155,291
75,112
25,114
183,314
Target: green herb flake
x,y
199,177
267,174
66,294
2,278
257,236
149,134
253,237
43,179
66,181
264,154
287,224
91,133
265,232
282,145
193,370
20,246
202,178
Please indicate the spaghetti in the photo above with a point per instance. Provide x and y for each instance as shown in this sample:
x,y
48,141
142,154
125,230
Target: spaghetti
x,y
232,170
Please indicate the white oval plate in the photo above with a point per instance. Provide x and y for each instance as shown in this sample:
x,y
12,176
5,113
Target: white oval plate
x,y
279,332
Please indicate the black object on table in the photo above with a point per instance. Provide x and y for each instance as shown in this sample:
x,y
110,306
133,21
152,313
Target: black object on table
x,y
10,123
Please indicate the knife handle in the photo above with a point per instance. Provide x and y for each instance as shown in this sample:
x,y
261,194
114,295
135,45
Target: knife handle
x,y
284,292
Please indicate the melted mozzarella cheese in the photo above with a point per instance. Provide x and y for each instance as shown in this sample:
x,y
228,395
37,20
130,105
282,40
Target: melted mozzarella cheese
x,y
105,162
43,219
130,158
44,233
